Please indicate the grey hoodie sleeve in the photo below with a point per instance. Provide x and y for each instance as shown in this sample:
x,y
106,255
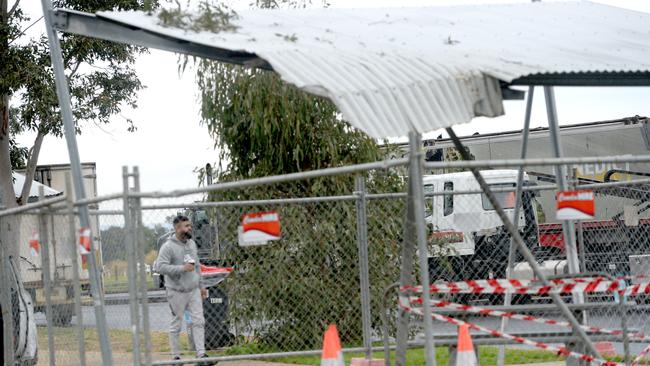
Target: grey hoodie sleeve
x,y
197,268
163,263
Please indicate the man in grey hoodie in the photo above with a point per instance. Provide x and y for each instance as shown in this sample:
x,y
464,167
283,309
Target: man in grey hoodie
x,y
178,261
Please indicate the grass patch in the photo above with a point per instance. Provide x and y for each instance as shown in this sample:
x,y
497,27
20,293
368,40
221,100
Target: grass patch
x,y
415,357
65,339
120,284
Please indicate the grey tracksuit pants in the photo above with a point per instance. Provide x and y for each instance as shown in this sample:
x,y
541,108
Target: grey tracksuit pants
x,y
178,303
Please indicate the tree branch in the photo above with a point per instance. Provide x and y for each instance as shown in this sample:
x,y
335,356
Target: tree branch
x,y
74,70
30,170
13,8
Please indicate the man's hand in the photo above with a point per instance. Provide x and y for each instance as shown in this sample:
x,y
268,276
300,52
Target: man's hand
x,y
204,293
188,267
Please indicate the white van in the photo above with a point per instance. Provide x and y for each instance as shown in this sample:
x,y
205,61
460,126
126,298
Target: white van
x,y
467,240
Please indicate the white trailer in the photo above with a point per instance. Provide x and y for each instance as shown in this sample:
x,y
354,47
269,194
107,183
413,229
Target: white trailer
x,y
61,246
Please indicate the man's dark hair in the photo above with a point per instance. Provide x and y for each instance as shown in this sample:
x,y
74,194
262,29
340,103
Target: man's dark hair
x,y
180,218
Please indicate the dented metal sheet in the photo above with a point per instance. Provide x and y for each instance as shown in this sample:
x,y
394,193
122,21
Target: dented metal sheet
x,y
395,70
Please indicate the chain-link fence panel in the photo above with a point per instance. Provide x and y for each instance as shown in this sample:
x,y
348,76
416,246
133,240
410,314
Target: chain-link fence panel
x,y
279,296
65,313
469,246
116,240
282,294
48,275
385,239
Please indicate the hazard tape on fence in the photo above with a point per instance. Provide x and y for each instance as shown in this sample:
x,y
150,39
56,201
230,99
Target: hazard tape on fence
x,y
443,304
529,287
638,358
562,351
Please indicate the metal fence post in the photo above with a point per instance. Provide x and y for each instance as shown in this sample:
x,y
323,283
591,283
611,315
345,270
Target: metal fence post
x,y
75,272
45,271
129,243
406,278
140,254
364,275
417,195
414,232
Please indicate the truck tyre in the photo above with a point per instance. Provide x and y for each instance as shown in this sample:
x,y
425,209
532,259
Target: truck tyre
x,y
62,315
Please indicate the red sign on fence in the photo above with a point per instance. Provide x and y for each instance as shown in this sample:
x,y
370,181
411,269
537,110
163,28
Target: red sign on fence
x,y
259,228
575,205
34,244
85,238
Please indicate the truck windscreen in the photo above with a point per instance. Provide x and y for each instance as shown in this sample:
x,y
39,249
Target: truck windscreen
x,y
505,199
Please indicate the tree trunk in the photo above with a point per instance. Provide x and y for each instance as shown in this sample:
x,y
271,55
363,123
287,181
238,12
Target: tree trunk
x,y
30,170
7,196
9,225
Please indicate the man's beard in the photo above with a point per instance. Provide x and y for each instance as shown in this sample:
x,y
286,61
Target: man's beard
x,y
187,235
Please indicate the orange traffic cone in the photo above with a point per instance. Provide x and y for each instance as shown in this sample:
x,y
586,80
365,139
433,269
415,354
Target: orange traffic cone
x,y
465,355
332,354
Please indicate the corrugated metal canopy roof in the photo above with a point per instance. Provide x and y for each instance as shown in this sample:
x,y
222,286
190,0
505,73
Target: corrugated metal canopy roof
x,y
395,70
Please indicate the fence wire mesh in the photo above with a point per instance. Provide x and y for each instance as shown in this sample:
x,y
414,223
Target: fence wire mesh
x,y
468,242
280,296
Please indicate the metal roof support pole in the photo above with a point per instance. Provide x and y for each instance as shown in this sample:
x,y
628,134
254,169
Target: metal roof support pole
x,y
568,227
501,357
560,172
63,94
523,249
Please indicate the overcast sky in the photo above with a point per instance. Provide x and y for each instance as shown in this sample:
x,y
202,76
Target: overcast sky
x,y
170,142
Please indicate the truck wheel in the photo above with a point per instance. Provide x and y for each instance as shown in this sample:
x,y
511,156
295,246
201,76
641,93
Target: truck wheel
x,y
62,315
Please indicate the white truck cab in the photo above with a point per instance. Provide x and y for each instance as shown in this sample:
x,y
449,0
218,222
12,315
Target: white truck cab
x,y
467,239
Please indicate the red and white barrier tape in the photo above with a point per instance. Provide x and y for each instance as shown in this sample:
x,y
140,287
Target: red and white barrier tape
x,y
640,356
564,286
562,351
510,315
532,287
